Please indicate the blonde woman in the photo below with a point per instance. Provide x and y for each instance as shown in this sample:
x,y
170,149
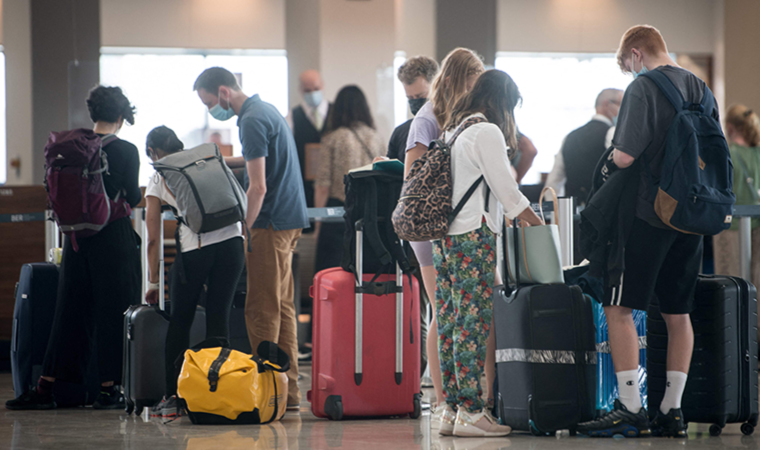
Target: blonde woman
x,y
460,70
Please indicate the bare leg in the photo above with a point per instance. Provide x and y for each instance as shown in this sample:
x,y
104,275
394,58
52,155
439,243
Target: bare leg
x,y
624,341
50,379
680,342
434,362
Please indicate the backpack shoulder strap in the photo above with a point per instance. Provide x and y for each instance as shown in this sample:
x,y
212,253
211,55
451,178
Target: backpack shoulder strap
x,y
708,101
667,88
107,139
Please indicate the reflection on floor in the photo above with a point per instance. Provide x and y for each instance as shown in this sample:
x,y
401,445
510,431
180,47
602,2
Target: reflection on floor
x,y
84,428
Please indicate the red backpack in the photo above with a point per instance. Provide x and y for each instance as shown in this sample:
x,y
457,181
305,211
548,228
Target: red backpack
x,y
74,166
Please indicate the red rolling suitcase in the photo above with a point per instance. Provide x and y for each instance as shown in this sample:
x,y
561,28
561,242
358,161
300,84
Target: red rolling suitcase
x,y
372,369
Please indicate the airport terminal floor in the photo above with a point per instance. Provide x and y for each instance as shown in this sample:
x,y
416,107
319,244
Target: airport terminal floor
x,y
84,428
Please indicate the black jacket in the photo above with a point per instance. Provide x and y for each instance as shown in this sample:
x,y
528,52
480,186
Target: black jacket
x,y
607,220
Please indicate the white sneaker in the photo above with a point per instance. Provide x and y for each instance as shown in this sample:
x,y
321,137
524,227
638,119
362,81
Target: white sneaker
x,y
482,424
443,418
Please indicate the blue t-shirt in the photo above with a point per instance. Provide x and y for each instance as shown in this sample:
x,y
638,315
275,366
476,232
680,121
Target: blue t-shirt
x,y
265,133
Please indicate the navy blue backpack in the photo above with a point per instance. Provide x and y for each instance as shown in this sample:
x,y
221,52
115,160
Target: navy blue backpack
x,y
694,194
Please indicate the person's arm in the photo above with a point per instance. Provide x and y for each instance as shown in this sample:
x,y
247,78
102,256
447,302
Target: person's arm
x,y
257,188
490,154
234,162
413,155
528,153
635,126
557,176
622,160
153,224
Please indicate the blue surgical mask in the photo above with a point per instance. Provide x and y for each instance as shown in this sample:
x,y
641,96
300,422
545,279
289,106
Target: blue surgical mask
x,y
219,113
614,121
633,71
313,98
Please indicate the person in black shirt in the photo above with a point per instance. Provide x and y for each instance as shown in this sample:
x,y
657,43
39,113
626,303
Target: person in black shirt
x,y
101,279
415,74
660,262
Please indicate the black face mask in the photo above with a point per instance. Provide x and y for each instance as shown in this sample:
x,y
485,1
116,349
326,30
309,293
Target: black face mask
x,y
415,104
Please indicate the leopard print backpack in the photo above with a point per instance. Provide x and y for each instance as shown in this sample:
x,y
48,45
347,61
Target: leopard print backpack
x,y
424,210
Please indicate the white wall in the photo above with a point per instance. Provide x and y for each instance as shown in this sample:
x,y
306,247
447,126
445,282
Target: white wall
x,y
596,26
415,27
17,38
357,43
208,24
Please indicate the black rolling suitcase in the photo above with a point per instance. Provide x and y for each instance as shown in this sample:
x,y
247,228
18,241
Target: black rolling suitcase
x,y
722,383
33,313
545,356
145,328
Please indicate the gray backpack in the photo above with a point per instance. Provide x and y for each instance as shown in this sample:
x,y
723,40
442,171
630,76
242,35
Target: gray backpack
x,y
208,195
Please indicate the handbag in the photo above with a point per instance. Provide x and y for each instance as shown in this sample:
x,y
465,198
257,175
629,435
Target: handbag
x,y
540,257
218,385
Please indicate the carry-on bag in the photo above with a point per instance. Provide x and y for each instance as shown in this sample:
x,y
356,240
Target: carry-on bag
x,y
366,355
33,314
722,383
221,386
545,355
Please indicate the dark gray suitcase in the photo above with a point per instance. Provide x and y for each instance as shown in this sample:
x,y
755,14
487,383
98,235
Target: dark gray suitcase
x,y
545,356
33,313
722,384
145,329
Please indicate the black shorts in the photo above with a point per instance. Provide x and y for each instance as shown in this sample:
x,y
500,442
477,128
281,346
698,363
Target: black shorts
x,y
661,263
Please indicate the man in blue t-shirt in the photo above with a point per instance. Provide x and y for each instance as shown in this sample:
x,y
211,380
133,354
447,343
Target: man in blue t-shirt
x,y
276,211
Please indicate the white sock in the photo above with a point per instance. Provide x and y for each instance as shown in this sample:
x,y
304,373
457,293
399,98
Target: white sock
x,y
673,391
628,389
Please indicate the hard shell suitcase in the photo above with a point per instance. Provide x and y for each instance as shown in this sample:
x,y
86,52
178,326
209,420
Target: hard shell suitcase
x,y
606,386
145,329
365,363
722,384
545,356
33,314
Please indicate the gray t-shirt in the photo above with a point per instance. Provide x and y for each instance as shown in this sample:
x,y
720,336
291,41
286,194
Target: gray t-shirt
x,y
264,133
643,123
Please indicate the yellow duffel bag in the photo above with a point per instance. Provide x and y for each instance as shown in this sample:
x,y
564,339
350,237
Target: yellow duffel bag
x,y
218,385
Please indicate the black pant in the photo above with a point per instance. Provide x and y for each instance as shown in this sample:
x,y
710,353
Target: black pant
x,y
96,285
218,265
330,243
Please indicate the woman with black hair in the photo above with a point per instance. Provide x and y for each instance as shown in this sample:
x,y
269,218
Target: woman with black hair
x,y
216,259
482,134
350,141
102,279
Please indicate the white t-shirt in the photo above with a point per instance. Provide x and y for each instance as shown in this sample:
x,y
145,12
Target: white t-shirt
x,y
482,150
157,188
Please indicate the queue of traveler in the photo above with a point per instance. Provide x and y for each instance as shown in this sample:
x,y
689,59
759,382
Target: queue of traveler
x,y
473,110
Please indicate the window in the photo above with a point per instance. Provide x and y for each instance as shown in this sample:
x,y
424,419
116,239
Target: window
x,y
159,82
559,91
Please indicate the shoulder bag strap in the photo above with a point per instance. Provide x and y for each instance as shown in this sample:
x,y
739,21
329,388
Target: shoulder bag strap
x,y
366,149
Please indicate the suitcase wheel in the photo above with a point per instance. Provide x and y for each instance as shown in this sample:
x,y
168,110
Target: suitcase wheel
x,y
747,429
138,409
334,407
129,407
716,430
417,412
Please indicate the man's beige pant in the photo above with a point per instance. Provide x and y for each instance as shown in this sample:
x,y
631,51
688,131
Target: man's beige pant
x,y
270,313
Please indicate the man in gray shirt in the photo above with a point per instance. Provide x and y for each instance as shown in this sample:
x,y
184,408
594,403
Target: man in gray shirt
x,y
276,212
659,260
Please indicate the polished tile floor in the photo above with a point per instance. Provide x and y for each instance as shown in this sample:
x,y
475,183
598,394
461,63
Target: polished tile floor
x,y
84,428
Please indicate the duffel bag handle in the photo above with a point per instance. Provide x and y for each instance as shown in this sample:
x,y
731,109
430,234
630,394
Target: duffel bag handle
x,y
216,366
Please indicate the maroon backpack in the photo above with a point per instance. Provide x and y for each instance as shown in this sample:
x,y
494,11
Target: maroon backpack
x,y
74,166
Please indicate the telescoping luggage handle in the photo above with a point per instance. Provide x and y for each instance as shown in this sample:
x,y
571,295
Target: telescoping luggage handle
x,y
359,312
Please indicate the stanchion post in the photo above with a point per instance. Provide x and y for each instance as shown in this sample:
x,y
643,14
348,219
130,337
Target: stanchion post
x,y
52,235
565,220
745,247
